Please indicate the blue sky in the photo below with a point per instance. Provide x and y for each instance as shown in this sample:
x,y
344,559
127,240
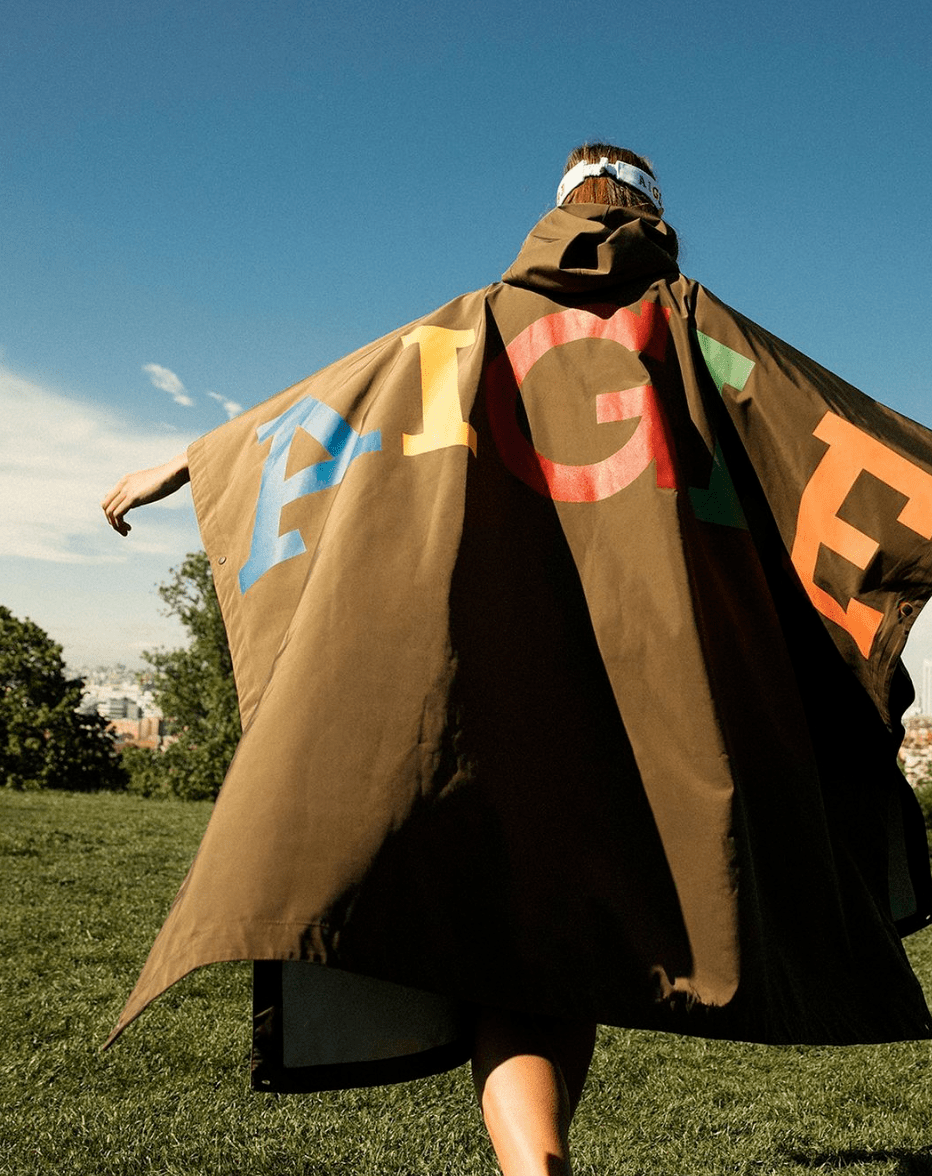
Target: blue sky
x,y
202,202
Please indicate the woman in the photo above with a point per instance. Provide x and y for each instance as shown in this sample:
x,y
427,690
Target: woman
x,y
542,669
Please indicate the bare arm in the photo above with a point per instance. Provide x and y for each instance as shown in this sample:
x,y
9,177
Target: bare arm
x,y
143,487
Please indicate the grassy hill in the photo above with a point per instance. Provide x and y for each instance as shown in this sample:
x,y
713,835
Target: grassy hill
x,y
85,882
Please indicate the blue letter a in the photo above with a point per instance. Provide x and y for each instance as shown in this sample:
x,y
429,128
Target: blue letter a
x,y
344,445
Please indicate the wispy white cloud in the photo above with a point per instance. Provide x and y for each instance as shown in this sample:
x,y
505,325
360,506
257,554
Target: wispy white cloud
x,y
58,456
230,407
165,378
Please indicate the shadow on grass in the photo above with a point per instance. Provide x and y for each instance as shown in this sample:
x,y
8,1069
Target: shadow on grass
x,y
908,1163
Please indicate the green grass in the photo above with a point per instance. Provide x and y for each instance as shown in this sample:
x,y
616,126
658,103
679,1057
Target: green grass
x,y
85,882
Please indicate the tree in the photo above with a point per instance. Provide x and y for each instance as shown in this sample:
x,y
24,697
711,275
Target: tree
x,y
195,690
44,741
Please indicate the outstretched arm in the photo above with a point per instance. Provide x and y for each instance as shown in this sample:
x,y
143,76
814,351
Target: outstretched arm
x,y
143,487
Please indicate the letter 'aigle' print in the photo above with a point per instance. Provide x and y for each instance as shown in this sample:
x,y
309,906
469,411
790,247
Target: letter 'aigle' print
x,y
443,425
850,451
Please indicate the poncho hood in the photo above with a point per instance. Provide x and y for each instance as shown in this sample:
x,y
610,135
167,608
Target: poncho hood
x,y
592,247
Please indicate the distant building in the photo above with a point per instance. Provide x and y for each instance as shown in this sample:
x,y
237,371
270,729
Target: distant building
x,y
120,708
925,694
115,697
139,732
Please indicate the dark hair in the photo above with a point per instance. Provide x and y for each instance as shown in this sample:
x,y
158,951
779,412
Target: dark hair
x,y
605,189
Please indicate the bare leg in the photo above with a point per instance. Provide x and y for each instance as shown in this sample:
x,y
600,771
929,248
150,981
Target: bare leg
x,y
529,1074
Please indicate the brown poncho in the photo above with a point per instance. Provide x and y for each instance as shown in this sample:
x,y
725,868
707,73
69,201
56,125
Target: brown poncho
x,y
566,624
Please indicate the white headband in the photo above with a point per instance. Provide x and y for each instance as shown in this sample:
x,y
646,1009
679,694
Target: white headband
x,y
625,172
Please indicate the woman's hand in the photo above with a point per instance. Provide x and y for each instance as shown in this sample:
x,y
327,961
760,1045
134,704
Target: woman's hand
x,y
143,487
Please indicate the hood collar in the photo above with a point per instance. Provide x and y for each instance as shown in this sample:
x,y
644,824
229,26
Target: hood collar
x,y
583,247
